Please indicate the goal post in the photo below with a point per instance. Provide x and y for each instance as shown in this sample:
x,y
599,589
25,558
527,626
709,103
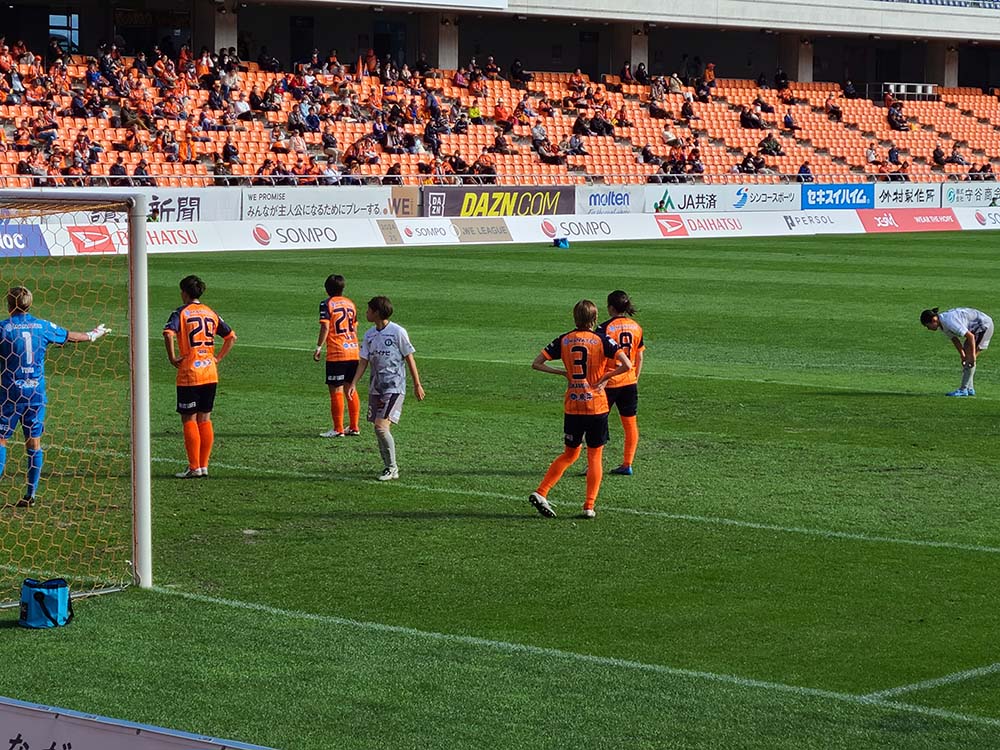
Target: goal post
x,y
82,253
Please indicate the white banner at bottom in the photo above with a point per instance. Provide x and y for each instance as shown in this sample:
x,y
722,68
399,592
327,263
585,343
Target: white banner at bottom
x,y
29,725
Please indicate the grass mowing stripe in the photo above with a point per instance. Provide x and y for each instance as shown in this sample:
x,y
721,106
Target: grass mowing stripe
x,y
712,520
604,661
948,679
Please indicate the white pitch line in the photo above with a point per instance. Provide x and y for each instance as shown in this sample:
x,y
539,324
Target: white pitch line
x,y
708,520
948,679
600,661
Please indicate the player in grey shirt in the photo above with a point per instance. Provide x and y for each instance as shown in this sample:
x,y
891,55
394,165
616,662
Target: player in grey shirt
x,y
387,350
970,330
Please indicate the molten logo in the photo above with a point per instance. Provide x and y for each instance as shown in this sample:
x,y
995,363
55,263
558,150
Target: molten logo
x,y
981,218
261,235
92,239
549,229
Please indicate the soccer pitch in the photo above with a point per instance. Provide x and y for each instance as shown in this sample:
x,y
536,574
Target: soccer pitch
x,y
806,557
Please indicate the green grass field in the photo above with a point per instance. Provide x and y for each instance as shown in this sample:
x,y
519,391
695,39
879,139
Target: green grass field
x,y
811,522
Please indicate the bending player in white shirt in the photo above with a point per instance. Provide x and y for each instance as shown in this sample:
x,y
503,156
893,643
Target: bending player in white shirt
x,y
970,330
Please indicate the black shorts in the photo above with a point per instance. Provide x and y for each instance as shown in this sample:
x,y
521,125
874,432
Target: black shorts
x,y
196,399
593,426
341,372
625,399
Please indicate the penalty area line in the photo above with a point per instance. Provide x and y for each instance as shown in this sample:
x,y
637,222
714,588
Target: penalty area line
x,y
607,662
684,517
936,682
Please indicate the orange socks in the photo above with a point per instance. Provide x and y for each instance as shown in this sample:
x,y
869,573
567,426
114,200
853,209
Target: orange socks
x,y
595,472
192,444
207,433
631,425
337,410
354,410
557,469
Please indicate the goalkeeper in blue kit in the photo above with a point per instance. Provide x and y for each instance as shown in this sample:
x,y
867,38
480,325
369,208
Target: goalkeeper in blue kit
x,y
24,340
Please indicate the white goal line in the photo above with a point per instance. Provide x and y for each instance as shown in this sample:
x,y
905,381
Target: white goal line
x,y
599,661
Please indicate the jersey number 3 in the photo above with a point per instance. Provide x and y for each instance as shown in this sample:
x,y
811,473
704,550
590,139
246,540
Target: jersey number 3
x,y
580,363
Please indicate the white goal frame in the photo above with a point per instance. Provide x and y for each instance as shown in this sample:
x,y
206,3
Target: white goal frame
x,y
138,294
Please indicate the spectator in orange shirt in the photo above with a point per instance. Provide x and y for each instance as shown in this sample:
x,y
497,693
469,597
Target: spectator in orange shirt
x,y
502,116
709,77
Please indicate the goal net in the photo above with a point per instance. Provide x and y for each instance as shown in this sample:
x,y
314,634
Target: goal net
x,y
72,253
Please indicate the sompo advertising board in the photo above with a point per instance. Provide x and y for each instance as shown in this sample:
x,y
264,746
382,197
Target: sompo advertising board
x,y
720,198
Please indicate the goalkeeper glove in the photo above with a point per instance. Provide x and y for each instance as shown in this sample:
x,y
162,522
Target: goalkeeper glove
x,y
95,334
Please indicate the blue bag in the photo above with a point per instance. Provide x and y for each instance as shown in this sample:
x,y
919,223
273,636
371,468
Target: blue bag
x,y
562,242
45,604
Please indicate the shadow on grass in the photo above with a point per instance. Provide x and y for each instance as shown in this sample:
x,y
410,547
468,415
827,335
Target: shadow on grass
x,y
9,622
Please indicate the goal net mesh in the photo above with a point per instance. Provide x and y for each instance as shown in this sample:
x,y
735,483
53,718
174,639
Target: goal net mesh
x,y
73,257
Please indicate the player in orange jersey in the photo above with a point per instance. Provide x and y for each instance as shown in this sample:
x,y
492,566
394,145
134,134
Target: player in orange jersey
x,y
585,354
194,326
338,328
623,391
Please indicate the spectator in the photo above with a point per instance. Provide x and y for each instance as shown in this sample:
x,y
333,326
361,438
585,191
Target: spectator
x,y
230,152
118,177
421,67
459,80
549,154
667,135
770,146
762,105
674,85
574,147
329,143
647,156
893,156
141,176
780,79
833,110
687,110
625,74
518,74
750,120
702,92
242,109
956,157
491,70
849,91
600,125
709,77
789,121
762,81
502,116
393,175
475,113
500,144
641,74
538,134
458,165
330,175
871,156
938,155
805,172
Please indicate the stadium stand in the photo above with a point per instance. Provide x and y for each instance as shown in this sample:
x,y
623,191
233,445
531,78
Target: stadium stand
x,y
198,121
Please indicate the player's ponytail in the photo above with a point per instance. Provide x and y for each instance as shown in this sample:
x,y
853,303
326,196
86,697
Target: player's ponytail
x,y
928,315
619,302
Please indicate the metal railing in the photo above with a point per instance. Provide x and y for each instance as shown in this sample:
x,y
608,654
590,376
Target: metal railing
x,y
520,180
